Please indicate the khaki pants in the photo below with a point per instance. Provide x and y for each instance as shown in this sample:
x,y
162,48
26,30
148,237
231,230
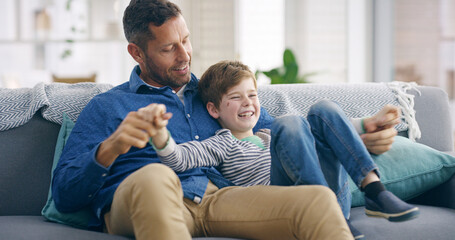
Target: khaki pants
x,y
149,204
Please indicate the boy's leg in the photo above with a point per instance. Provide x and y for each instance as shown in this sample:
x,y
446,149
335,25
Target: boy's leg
x,y
295,160
269,212
148,204
338,144
293,153
336,137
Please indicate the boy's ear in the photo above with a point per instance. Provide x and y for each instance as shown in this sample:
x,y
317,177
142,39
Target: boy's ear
x,y
136,53
212,110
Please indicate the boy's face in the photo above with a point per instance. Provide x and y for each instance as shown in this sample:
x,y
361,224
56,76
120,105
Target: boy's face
x,y
239,109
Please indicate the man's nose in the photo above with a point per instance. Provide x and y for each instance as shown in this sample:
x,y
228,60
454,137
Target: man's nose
x,y
183,54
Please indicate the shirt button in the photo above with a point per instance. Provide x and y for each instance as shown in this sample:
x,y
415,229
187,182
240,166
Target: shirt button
x,y
90,196
104,175
196,137
188,115
173,91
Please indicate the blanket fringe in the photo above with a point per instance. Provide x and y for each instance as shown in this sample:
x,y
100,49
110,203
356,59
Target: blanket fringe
x,y
406,101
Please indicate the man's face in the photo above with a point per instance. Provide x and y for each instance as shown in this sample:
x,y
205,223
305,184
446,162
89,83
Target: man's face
x,y
168,56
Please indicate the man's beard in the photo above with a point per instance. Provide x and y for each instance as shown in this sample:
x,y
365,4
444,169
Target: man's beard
x,y
166,79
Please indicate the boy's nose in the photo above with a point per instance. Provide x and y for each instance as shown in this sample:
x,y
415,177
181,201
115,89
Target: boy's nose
x,y
247,102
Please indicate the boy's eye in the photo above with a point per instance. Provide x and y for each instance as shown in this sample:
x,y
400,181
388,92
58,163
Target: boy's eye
x,y
235,97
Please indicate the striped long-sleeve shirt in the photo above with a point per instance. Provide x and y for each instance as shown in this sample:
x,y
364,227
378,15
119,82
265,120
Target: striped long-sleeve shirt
x,y
242,162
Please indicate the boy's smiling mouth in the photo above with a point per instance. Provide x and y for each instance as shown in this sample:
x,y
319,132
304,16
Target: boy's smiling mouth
x,y
246,114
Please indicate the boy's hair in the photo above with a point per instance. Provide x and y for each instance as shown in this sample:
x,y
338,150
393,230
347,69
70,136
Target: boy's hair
x,y
141,13
221,77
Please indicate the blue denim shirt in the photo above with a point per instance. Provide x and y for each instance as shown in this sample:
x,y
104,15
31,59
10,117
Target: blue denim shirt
x,y
79,181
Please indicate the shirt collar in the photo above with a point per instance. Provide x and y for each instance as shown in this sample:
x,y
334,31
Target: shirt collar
x,y
136,82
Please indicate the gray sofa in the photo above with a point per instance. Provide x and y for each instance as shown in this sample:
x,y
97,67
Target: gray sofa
x,y
26,154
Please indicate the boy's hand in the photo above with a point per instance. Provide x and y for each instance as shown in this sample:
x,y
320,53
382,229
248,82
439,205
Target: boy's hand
x,y
380,131
157,116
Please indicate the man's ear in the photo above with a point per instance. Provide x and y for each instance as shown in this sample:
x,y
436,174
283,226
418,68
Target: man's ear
x,y
212,110
136,52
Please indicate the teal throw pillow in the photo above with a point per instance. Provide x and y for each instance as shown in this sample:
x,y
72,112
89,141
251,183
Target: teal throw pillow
x,y
409,169
78,219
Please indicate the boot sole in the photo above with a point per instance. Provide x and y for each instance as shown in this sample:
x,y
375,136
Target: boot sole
x,y
395,217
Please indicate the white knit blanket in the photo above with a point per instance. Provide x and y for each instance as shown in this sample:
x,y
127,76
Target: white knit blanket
x,y
17,106
356,99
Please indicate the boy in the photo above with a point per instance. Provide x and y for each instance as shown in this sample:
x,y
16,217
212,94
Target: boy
x,y
276,156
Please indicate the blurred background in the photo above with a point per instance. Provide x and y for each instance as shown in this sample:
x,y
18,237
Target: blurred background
x,y
332,40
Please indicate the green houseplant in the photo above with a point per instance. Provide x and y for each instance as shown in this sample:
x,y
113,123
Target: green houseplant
x,y
288,73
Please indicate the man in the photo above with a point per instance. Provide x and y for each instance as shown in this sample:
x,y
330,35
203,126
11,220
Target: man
x,y
108,165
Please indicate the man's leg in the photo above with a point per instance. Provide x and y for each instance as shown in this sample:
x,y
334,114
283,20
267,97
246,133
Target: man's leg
x,y
148,204
270,212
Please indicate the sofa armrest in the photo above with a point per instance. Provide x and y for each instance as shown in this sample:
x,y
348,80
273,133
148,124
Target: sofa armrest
x,y
433,116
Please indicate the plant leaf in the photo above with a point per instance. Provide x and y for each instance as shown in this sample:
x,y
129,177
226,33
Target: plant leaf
x,y
288,58
290,76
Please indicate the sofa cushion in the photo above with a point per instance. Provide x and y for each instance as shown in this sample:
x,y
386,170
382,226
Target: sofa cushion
x,y
36,227
25,163
80,218
409,169
433,223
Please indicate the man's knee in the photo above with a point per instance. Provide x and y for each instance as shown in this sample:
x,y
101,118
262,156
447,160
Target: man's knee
x,y
325,198
153,176
325,194
321,196
156,171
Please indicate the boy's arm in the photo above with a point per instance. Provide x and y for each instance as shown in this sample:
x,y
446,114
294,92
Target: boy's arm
x,y
161,138
210,152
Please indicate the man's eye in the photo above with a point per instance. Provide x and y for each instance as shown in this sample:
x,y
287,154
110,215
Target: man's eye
x,y
167,49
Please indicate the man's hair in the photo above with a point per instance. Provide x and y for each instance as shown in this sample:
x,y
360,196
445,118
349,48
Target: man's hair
x,y
220,77
141,13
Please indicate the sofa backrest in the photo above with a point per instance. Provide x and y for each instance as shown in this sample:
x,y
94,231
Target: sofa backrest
x,y
433,113
25,166
26,152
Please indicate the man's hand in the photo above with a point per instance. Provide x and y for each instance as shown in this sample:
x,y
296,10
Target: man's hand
x,y
380,131
156,115
133,131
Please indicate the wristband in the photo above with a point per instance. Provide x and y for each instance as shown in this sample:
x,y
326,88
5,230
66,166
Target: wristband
x,y
167,142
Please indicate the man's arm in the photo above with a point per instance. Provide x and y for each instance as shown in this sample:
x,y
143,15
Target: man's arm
x,y
133,132
97,140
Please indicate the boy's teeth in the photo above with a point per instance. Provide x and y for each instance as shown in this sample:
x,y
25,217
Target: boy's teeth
x,y
246,114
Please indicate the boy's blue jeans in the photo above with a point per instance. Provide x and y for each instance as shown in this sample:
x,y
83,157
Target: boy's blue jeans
x,y
320,150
